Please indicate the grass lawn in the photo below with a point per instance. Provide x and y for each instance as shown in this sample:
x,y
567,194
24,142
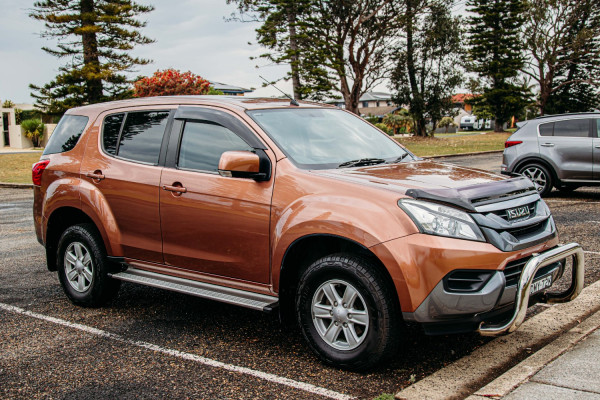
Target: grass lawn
x,y
452,144
16,168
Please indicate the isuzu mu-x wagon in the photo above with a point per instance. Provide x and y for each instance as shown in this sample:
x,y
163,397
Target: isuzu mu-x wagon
x,y
305,210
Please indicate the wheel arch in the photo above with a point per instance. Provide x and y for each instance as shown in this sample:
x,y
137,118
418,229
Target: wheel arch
x,y
536,160
58,221
307,249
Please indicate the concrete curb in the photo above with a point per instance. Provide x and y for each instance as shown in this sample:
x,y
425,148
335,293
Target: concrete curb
x,y
476,153
526,369
467,375
16,185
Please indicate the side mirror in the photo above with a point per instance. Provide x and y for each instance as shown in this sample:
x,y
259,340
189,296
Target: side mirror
x,y
243,164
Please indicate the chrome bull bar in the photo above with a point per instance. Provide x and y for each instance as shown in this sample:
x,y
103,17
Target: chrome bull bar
x,y
527,276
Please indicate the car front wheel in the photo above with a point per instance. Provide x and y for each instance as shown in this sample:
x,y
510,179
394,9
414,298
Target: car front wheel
x,y
347,311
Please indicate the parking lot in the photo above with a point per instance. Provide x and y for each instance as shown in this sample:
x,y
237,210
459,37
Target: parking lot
x,y
151,343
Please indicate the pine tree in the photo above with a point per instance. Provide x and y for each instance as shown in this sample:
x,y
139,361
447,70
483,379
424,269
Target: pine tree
x,y
496,54
95,36
283,34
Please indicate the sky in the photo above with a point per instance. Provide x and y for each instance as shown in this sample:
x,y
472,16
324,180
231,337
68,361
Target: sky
x,y
191,35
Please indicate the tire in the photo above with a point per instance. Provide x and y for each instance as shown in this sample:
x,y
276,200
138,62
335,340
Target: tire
x,y
83,267
357,343
540,176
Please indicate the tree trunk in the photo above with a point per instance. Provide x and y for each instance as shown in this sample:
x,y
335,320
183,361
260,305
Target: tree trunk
x,y
416,108
91,62
295,60
498,126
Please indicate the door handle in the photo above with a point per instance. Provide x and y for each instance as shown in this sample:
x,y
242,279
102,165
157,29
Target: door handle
x,y
175,189
548,144
97,175
598,146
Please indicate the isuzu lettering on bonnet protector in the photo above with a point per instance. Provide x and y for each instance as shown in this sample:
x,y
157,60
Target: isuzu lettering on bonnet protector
x,y
305,210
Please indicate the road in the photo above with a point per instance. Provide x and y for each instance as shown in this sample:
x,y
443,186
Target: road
x,y
151,343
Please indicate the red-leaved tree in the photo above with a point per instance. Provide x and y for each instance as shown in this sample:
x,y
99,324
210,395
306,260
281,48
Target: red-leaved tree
x,y
170,82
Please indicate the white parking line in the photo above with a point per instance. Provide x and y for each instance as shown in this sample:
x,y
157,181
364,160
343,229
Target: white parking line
x,y
307,387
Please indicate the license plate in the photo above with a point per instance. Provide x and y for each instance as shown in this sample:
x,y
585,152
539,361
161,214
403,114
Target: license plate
x,y
518,212
540,284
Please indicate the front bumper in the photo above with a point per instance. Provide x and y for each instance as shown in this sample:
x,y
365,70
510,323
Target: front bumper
x,y
527,277
499,306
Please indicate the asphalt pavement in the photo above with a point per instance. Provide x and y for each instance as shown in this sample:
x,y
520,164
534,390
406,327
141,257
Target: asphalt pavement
x,y
151,343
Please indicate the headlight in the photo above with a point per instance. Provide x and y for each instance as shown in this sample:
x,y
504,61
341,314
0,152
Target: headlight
x,y
436,219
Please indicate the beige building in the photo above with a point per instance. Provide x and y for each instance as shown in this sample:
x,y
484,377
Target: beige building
x,y
12,135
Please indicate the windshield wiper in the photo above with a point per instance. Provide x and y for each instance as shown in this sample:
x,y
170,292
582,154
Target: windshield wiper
x,y
397,160
362,161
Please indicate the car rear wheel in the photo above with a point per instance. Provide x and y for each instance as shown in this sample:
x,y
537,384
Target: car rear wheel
x,y
348,312
540,176
83,267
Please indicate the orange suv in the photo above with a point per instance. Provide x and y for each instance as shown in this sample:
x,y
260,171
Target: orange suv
x,y
307,210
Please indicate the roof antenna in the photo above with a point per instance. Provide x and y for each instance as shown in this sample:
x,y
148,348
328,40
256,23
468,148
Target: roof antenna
x,y
292,101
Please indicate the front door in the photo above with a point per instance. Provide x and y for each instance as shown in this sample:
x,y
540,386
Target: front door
x,y
213,224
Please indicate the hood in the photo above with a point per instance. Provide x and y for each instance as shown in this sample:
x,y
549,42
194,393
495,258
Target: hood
x,y
436,181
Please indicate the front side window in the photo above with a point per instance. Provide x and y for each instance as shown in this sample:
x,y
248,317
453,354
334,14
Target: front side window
x,y
138,138
203,143
572,128
66,134
316,138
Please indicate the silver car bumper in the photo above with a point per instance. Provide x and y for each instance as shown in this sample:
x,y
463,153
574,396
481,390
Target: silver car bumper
x,y
524,286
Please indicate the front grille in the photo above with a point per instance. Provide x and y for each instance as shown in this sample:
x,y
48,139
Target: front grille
x,y
528,230
513,270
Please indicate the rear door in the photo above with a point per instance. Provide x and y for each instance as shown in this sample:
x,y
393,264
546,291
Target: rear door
x,y
124,165
213,224
567,144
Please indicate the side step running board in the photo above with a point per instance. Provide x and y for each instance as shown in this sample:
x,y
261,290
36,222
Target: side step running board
x,y
223,294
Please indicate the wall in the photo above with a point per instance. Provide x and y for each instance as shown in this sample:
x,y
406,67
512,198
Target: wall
x,y
19,141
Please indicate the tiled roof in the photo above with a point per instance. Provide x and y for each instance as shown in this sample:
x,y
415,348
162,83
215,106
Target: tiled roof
x,y
377,111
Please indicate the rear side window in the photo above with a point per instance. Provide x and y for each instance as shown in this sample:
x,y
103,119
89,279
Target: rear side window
x,y
547,129
66,134
203,143
572,128
598,128
136,136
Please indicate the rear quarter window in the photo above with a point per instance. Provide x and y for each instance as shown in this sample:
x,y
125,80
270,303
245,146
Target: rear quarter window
x,y
66,134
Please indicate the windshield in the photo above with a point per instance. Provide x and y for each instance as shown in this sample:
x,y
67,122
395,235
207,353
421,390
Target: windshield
x,y
317,138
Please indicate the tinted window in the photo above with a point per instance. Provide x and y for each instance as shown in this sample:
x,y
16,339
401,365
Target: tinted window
x,y
598,128
110,132
547,129
203,143
66,134
142,136
572,128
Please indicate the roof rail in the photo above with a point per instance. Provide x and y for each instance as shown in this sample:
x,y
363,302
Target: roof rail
x,y
566,114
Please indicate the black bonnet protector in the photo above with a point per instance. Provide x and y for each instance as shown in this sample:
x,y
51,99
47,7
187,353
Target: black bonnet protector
x,y
473,196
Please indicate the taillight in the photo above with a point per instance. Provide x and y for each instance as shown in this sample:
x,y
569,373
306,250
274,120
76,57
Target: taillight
x,y
510,143
36,171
